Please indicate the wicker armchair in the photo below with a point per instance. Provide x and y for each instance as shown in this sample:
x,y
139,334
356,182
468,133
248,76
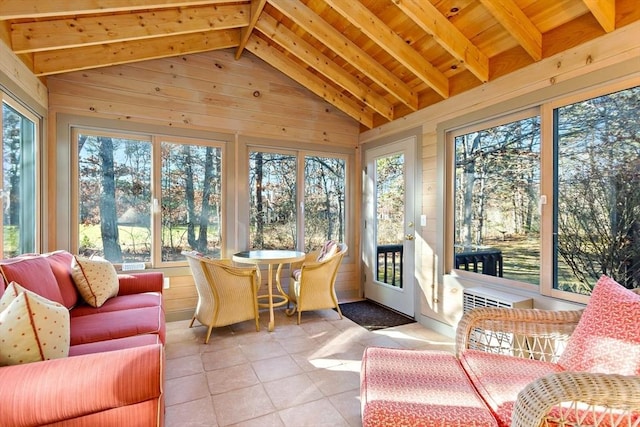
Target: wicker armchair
x,y
226,294
590,398
523,368
312,284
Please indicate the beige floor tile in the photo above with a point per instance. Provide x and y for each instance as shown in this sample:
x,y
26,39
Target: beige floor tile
x,y
195,413
296,376
185,389
223,358
270,420
242,405
183,366
318,413
263,350
292,391
231,378
276,368
348,404
336,379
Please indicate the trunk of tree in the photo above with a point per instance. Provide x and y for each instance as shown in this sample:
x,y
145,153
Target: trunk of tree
x,y
108,212
206,196
190,199
259,240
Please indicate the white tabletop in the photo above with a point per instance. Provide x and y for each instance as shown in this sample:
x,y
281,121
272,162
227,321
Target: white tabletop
x,y
268,256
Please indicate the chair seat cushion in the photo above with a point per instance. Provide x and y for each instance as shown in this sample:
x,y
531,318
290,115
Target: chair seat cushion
x,y
117,324
411,388
499,378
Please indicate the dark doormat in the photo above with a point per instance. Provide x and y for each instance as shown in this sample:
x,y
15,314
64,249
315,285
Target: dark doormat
x,y
373,316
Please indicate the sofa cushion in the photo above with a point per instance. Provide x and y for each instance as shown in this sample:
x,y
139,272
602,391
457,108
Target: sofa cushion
x,y
608,328
117,324
121,302
115,344
60,263
32,328
96,279
411,388
499,378
33,273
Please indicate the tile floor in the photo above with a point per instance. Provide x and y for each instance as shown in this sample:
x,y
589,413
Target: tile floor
x,y
298,375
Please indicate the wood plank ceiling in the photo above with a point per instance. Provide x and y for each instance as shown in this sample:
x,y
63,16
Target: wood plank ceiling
x,y
375,60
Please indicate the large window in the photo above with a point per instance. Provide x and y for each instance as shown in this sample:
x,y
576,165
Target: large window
x,y
557,208
125,215
497,188
19,213
597,179
282,216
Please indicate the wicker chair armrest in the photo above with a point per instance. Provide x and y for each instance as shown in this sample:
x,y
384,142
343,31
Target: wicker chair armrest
x,y
612,394
527,322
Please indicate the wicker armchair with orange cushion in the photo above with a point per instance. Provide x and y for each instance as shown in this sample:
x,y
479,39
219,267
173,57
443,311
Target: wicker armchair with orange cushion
x,y
517,367
226,294
312,284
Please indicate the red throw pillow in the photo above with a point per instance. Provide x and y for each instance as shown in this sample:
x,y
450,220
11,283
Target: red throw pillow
x,y
607,338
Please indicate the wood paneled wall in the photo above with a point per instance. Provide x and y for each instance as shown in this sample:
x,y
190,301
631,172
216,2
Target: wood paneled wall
x,y
210,92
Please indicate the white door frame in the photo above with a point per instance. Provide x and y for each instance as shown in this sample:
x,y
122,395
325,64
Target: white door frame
x,y
399,299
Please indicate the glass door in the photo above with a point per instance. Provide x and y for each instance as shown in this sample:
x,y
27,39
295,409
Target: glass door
x,y
389,229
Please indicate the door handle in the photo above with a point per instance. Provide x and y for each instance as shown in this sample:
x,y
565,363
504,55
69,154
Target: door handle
x,y
409,236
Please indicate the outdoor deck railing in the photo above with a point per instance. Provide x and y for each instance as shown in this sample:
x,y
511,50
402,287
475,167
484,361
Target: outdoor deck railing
x,y
389,264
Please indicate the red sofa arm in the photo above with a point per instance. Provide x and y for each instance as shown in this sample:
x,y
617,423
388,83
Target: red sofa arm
x,y
63,389
137,283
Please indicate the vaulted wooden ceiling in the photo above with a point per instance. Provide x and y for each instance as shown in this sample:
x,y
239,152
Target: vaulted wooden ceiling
x,y
375,60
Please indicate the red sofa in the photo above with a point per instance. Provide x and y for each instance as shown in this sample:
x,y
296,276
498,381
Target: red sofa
x,y
115,370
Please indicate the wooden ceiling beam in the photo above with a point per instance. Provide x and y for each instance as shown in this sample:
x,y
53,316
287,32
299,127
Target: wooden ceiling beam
x,y
65,60
513,19
374,28
257,6
429,18
323,65
337,42
16,9
604,11
307,79
82,31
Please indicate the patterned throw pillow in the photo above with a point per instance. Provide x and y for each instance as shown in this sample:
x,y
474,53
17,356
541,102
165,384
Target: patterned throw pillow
x,y
32,328
96,279
607,338
327,250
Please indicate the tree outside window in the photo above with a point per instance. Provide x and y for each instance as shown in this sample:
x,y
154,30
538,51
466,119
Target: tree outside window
x,y
497,188
191,200
114,197
117,200
597,225
274,216
18,234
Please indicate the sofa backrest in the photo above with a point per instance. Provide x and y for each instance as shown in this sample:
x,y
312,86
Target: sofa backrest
x,y
60,262
34,273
